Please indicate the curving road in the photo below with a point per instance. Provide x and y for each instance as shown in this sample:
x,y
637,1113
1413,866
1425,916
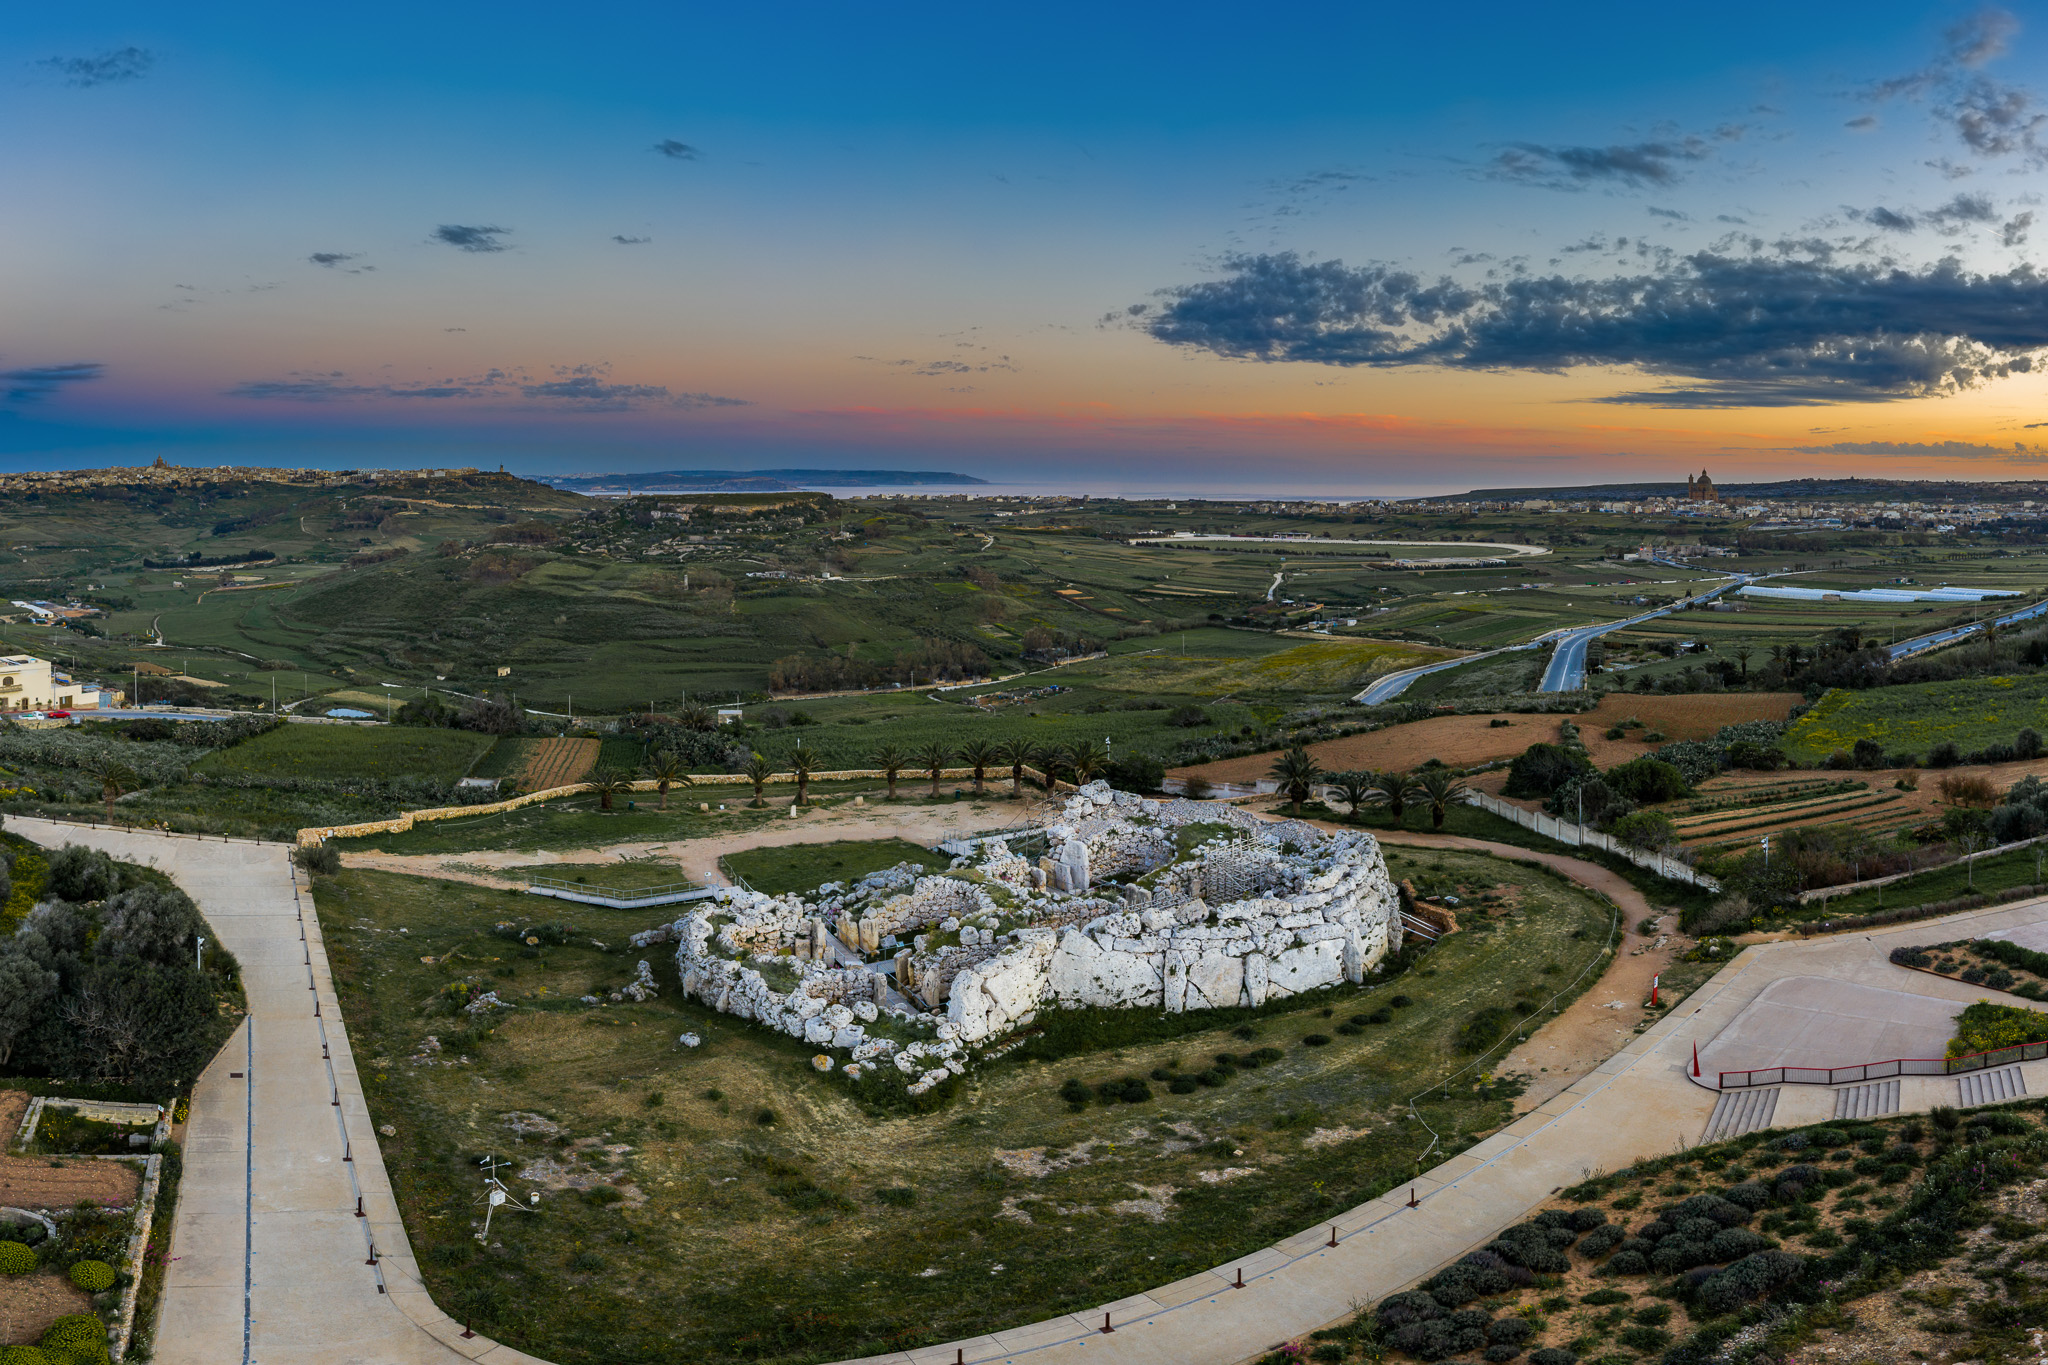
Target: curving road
x,y
1920,644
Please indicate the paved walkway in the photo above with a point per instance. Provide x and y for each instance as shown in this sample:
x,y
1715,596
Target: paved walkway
x,y
271,1266
270,1263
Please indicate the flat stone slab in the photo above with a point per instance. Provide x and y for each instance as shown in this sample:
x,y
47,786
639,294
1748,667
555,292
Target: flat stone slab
x,y
1810,1021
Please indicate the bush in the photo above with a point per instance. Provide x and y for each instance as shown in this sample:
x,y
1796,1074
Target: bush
x,y
1510,1331
1316,1040
900,1196
1601,1240
1075,1091
1183,1085
598,1196
322,860
1542,769
1648,781
1732,1244
24,1355
1646,829
16,1259
1553,1355
1484,1029
1628,1262
76,1329
1129,1089
83,874
1674,1254
1747,1279
1748,1195
94,1277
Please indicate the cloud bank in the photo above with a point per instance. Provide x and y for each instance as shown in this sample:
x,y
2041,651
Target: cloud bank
x,y
107,68
1749,331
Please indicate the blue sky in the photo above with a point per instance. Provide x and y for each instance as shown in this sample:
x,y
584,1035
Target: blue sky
x,y
746,236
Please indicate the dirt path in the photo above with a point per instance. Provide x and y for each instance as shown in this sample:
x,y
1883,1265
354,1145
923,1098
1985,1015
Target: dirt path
x,y
698,858
1601,1021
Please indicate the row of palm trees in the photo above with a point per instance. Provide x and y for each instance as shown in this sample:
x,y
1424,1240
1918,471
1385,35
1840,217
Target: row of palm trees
x,y
1082,762
1437,788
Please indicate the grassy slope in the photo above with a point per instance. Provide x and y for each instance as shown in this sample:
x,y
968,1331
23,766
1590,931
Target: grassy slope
x,y
769,1242
803,867
1913,719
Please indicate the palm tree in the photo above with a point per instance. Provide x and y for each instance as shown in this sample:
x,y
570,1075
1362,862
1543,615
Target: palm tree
x,y
803,759
667,770
933,758
1392,790
1051,760
1297,771
758,771
1088,760
1439,787
892,761
978,754
116,780
608,783
1016,753
1353,788
1742,654
697,716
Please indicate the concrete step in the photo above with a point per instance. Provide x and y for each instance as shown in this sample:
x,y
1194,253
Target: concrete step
x,y
1741,1111
1874,1100
1991,1087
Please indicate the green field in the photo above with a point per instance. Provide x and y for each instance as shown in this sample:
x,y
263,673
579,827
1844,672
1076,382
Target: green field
x,y
805,867
1912,719
342,752
760,1197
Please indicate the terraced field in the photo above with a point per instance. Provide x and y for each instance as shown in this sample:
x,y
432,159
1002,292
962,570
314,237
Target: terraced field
x,y
557,762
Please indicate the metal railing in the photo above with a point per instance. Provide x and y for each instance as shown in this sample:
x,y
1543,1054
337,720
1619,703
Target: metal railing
x,y
616,895
1879,1071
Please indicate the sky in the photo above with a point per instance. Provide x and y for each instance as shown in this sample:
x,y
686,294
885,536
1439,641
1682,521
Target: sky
x,y
1358,250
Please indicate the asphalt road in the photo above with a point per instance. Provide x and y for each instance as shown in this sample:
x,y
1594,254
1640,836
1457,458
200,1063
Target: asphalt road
x,y
1920,644
1567,670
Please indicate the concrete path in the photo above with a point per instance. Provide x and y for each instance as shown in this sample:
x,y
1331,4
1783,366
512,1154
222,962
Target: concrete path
x,y
270,1263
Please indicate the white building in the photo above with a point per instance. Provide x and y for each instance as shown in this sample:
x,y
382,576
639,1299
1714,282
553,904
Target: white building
x,y
31,684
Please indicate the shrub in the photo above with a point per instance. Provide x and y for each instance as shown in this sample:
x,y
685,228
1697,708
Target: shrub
x,y
1602,1240
24,1355
1647,781
1401,1002
1585,1220
1129,1089
1183,1085
1724,1212
1748,1195
1646,829
1600,1298
1747,1279
901,1196
1674,1254
322,860
1510,1331
1484,1029
1732,1244
1410,1306
76,1329
1628,1262
1316,1040
597,1196
1500,1355
1553,1355
94,1277
1074,1090
16,1259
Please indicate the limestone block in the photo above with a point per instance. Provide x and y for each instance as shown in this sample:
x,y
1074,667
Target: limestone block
x,y
1255,979
1176,980
1315,933
866,1011
1306,968
816,1030
838,1016
1215,981
853,1035
1354,958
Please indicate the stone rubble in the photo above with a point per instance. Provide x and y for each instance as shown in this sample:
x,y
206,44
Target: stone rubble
x,y
1120,915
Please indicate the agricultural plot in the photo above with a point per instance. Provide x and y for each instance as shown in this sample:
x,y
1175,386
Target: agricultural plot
x,y
342,752
1971,714
549,763
719,1199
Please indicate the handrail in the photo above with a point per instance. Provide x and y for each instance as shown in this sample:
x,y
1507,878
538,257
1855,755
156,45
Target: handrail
x,y
1872,1071
617,892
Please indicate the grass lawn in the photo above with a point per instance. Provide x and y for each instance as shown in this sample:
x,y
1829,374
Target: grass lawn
x,y
1912,719
352,751
802,867
2002,873
754,1212
631,875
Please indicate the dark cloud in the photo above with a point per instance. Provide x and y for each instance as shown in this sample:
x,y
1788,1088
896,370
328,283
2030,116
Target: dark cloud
x,y
1756,330
2014,233
334,385
37,382
1862,122
624,240
1952,217
331,259
1675,215
1954,450
1993,119
466,238
573,388
675,151
1731,218
108,68
1638,165
1886,219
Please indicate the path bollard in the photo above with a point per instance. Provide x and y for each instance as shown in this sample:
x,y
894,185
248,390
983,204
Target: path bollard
x,y
468,1332
1106,1328
1333,1234
1239,1283
1413,1202
359,1208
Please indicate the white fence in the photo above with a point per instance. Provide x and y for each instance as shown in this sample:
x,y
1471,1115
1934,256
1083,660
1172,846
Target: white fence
x,y
1550,827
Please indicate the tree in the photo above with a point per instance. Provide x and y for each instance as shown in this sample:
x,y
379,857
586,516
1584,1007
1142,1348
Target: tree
x,y
1296,770
1742,656
1439,787
26,990
803,761
1016,753
1051,760
607,783
978,754
116,780
892,761
1087,759
1392,790
667,770
757,771
697,716
1354,788
1646,829
932,760
1542,768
